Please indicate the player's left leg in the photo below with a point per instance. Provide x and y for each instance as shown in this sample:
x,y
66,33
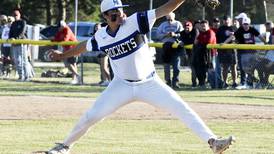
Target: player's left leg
x,y
158,94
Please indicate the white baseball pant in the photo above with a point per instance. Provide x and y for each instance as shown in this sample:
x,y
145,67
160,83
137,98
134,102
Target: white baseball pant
x,y
152,91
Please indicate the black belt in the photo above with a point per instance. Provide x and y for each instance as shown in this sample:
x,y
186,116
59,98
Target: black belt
x,y
133,80
149,76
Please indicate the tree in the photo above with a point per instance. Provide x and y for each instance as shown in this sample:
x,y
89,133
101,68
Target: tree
x,y
50,11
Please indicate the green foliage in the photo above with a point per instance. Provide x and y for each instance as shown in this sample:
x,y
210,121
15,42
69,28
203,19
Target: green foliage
x,y
88,10
36,11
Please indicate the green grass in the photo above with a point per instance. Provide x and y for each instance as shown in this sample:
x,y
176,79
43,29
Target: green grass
x,y
133,136
60,87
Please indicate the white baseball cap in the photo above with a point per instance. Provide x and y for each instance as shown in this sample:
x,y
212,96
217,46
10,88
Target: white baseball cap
x,y
107,5
241,15
246,20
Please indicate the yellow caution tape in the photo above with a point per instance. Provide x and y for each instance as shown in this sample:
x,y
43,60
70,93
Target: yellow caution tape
x,y
38,42
157,45
223,46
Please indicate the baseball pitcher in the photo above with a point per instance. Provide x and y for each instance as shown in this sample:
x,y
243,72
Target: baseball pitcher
x,y
125,42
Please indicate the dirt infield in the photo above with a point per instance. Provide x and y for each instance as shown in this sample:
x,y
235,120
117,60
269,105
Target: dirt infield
x,y
38,107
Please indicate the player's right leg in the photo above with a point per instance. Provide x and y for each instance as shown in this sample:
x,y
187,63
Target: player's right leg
x,y
116,95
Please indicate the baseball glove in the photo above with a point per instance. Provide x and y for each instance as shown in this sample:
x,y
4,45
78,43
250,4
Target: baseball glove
x,y
209,3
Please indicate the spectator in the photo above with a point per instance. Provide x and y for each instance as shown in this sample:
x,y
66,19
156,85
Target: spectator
x,y
227,57
168,33
187,37
65,34
2,22
104,64
265,65
217,82
6,48
3,18
246,35
238,24
201,56
215,25
197,26
20,51
270,29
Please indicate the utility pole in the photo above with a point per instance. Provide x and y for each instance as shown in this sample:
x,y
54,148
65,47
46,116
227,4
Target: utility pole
x,y
203,16
75,32
265,11
231,9
150,7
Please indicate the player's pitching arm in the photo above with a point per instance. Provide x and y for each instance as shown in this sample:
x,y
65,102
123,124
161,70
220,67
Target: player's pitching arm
x,y
168,7
57,55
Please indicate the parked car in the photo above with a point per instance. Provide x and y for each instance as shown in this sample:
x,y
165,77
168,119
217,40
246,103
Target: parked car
x,y
45,34
48,32
84,29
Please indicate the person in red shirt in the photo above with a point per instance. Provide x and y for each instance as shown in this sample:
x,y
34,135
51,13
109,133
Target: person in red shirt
x,y
65,34
201,60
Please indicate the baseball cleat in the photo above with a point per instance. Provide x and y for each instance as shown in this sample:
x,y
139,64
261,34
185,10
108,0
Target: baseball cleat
x,y
218,146
60,148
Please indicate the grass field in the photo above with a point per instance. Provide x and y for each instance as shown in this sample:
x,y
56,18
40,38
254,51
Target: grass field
x,y
22,136
133,136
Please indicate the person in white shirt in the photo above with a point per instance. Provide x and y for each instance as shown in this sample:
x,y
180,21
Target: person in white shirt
x,y
169,32
5,47
135,77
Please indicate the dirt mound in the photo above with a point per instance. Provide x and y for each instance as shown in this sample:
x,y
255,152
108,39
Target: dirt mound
x,y
40,107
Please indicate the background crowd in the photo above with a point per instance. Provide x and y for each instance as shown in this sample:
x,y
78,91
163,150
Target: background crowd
x,y
209,67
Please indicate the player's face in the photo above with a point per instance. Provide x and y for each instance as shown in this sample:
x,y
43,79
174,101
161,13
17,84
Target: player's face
x,y
115,16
